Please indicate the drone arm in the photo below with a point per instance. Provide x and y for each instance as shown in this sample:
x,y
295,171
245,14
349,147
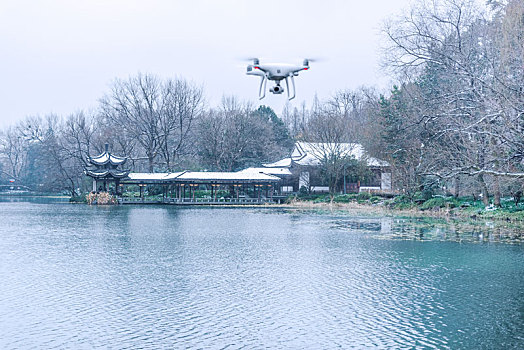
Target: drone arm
x,y
262,88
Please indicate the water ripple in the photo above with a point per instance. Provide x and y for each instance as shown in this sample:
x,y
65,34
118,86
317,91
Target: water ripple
x,y
155,277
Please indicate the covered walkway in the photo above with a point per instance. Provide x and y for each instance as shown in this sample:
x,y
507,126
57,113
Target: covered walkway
x,y
201,188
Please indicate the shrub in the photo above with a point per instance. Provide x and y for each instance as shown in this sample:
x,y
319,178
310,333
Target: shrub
x,y
364,196
400,202
102,198
344,198
375,199
439,202
131,194
78,199
303,191
290,199
402,199
322,199
419,196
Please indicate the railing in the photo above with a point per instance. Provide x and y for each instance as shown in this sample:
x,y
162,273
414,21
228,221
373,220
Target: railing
x,y
193,201
377,190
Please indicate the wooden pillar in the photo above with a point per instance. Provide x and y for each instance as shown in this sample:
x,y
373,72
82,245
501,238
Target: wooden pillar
x,y
117,186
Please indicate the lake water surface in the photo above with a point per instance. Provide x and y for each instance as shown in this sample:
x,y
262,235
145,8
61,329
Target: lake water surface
x,y
74,276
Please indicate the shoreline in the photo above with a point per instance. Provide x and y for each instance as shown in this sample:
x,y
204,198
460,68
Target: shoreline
x,y
380,209
499,215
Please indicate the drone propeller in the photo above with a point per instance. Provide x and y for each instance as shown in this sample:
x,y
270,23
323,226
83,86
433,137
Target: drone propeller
x,y
307,60
255,60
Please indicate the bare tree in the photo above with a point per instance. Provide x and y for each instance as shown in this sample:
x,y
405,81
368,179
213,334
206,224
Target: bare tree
x,y
234,136
134,107
471,113
182,103
295,119
157,115
13,145
330,137
78,132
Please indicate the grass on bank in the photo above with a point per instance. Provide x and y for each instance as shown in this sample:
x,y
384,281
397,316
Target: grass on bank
x,y
466,206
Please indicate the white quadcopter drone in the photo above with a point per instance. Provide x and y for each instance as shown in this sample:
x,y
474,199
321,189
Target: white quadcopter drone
x,y
276,72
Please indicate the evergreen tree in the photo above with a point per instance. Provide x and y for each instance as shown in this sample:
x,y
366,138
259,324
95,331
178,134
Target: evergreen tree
x,y
280,132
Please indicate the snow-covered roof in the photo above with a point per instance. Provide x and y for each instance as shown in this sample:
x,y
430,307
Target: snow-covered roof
x,y
310,153
153,176
376,162
226,176
202,176
286,162
270,171
107,157
106,173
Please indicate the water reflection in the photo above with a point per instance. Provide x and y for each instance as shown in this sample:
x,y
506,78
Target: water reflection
x,y
433,229
34,199
75,276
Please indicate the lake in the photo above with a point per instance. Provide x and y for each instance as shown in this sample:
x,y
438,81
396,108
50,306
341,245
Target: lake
x,y
75,276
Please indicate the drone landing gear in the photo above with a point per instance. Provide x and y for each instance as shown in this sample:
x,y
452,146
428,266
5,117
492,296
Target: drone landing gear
x,y
277,89
292,84
262,88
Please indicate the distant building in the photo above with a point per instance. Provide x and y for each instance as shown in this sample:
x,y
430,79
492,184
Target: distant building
x,y
105,169
303,168
244,187
270,182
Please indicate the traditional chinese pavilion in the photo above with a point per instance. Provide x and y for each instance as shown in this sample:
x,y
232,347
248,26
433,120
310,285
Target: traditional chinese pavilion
x,y
105,169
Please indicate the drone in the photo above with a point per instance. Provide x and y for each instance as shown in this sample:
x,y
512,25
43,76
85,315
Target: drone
x,y
276,72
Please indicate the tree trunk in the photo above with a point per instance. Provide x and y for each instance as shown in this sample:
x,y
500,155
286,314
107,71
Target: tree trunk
x,y
496,199
73,191
150,159
484,189
332,189
457,187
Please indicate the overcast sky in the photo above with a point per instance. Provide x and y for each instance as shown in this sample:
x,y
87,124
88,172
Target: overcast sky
x,y
61,56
